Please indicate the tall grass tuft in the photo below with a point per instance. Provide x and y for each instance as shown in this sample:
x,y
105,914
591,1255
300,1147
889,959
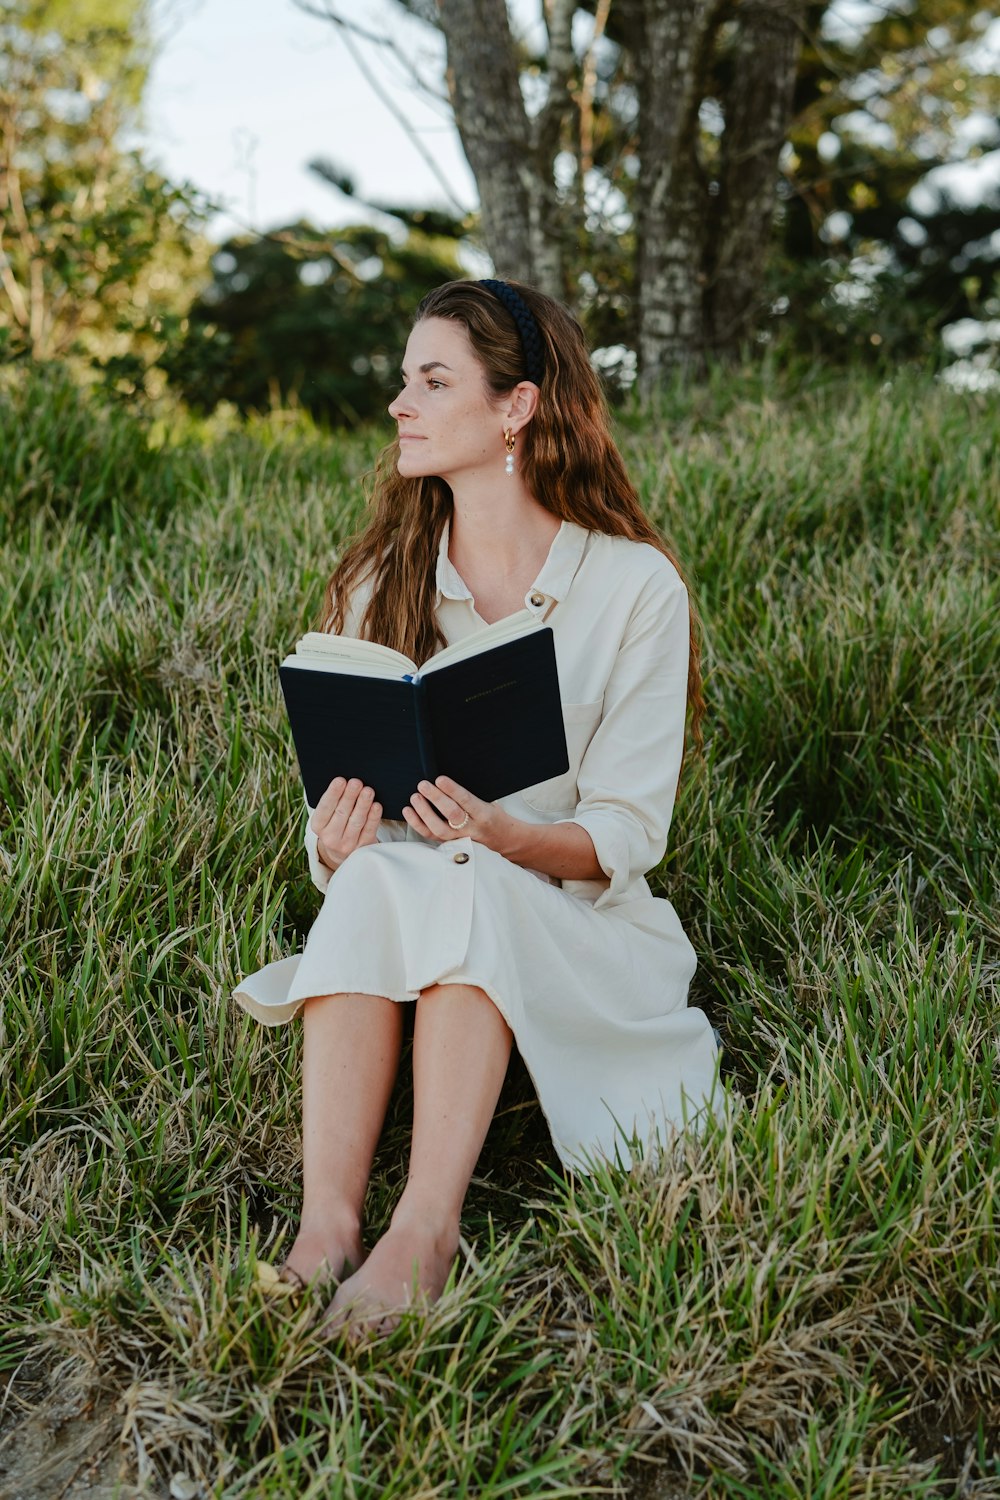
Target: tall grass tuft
x,y
800,1299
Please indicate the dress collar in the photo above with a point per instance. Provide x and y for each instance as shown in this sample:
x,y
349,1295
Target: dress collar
x,y
557,571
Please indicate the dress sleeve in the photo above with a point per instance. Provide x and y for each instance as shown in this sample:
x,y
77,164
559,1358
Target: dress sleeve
x,y
628,776
321,876
388,832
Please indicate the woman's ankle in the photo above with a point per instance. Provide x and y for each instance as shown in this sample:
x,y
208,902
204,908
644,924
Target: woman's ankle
x,y
330,1219
428,1215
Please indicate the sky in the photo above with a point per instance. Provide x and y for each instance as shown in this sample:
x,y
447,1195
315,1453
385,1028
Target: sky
x,y
243,95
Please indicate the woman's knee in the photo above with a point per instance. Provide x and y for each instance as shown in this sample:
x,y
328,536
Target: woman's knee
x,y
468,999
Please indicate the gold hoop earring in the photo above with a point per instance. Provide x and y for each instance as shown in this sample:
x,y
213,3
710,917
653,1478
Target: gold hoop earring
x,y
508,439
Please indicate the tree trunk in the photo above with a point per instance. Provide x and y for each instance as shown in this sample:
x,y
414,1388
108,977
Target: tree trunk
x,y
758,112
512,158
548,216
699,258
493,125
669,40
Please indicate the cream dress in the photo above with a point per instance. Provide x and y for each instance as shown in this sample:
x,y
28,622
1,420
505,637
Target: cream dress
x,y
591,975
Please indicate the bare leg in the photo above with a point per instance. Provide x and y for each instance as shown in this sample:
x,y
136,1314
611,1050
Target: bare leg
x,y
461,1047
350,1057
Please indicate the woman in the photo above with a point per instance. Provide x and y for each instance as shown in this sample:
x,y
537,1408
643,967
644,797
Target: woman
x,y
528,919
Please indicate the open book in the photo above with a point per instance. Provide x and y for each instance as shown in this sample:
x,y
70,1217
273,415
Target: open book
x,y
485,711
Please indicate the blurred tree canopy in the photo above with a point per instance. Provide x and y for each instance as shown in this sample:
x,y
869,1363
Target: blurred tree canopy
x,y
301,317
629,159
98,253
836,233
876,249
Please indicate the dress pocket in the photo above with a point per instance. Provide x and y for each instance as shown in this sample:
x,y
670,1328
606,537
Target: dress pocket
x,y
559,793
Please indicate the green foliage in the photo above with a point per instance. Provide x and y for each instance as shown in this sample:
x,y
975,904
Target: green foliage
x,y
800,1299
112,35
302,318
862,268
98,247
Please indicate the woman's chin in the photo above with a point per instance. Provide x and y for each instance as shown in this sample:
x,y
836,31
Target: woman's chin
x,y
406,461
409,466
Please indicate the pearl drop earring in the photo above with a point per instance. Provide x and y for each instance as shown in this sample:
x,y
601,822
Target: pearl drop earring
x,y
508,467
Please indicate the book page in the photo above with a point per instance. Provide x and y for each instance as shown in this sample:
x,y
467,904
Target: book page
x,y
508,629
341,653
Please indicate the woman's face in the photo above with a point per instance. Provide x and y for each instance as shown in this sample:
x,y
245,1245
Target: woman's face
x,y
450,423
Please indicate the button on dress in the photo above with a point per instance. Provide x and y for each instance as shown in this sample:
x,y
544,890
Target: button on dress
x,y
591,976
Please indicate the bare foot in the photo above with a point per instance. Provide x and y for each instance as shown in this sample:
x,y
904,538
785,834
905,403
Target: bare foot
x,y
325,1251
411,1262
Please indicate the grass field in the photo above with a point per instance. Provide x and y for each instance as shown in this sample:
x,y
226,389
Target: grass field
x,y
802,1300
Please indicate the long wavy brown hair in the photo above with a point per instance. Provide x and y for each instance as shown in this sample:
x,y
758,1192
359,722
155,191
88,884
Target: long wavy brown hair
x,y
568,460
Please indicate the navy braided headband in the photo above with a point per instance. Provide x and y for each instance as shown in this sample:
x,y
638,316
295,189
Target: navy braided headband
x,y
531,339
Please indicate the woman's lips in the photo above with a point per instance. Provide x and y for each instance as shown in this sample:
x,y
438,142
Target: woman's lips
x,y
410,437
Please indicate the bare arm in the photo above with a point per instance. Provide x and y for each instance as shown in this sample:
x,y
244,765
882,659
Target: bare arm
x,y
563,850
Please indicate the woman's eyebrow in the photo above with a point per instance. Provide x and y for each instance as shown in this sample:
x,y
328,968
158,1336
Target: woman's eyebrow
x,y
432,364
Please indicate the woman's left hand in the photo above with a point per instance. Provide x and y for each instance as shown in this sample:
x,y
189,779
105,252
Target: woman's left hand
x,y
444,810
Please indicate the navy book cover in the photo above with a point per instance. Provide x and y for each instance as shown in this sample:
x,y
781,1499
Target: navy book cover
x,y
491,721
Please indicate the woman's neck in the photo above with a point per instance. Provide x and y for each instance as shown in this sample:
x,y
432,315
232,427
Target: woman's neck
x,y
500,531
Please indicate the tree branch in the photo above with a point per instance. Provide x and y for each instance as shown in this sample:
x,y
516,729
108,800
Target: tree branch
x,y
588,86
492,122
350,32
327,13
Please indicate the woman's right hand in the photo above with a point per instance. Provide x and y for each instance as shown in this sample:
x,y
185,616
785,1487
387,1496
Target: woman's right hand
x,y
345,818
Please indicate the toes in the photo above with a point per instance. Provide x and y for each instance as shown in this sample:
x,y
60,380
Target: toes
x,y
356,1314
349,1323
335,1318
330,1325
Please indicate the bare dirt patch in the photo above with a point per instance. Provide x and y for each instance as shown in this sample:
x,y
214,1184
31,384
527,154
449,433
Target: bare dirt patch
x,y
57,1441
